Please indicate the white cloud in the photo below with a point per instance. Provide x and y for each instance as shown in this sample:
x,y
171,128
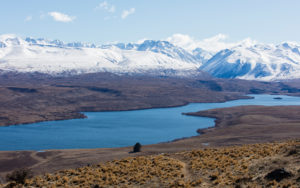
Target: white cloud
x,y
184,41
60,17
141,41
28,18
106,6
126,13
212,44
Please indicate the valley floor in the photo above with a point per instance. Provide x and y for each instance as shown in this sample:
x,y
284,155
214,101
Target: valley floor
x,y
30,98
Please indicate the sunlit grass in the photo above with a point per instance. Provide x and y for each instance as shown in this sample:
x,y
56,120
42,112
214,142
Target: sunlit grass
x,y
220,167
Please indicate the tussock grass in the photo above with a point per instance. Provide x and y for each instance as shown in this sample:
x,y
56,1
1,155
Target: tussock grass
x,y
234,166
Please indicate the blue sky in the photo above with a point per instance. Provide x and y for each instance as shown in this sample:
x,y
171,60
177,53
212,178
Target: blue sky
x,y
99,21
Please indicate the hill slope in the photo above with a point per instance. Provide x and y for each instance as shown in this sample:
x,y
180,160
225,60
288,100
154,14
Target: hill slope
x,y
271,164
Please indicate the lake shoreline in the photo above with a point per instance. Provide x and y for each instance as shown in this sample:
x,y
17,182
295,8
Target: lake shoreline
x,y
81,115
268,127
199,131
62,98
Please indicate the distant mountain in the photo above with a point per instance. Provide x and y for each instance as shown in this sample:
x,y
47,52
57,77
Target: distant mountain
x,y
245,60
56,58
161,47
56,43
202,55
256,62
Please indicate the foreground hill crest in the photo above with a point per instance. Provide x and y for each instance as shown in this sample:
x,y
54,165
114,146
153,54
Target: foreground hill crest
x,y
254,165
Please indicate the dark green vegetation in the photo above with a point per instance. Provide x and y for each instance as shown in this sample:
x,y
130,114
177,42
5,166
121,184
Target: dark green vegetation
x,y
28,98
137,147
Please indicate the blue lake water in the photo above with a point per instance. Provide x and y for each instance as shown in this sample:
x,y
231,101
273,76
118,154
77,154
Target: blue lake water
x,y
125,128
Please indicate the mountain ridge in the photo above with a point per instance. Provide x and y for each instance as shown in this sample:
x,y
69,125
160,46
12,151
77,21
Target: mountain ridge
x,y
248,59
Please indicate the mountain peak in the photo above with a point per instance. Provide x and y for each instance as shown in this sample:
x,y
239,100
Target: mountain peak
x,y
11,39
247,59
151,44
290,44
247,43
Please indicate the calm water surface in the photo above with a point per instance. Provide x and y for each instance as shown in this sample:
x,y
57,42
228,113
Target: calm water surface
x,y
118,129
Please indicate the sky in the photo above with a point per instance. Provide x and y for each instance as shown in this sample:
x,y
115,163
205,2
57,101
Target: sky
x,y
105,21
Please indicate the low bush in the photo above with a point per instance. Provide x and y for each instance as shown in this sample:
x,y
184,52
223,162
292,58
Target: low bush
x,y
19,176
137,147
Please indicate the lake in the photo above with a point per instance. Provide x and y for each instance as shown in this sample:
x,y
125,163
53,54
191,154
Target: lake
x,y
125,128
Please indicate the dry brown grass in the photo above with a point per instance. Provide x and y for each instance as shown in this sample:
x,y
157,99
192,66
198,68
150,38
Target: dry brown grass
x,y
234,166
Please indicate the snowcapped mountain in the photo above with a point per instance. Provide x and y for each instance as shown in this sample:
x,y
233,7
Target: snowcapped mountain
x,y
202,55
55,43
246,59
162,47
254,61
56,57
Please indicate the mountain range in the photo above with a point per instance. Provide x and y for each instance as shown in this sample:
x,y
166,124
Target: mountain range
x,y
246,60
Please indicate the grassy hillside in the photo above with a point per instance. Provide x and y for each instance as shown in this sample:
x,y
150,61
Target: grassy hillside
x,y
269,165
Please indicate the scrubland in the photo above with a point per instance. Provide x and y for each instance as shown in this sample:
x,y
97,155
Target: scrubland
x,y
274,164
